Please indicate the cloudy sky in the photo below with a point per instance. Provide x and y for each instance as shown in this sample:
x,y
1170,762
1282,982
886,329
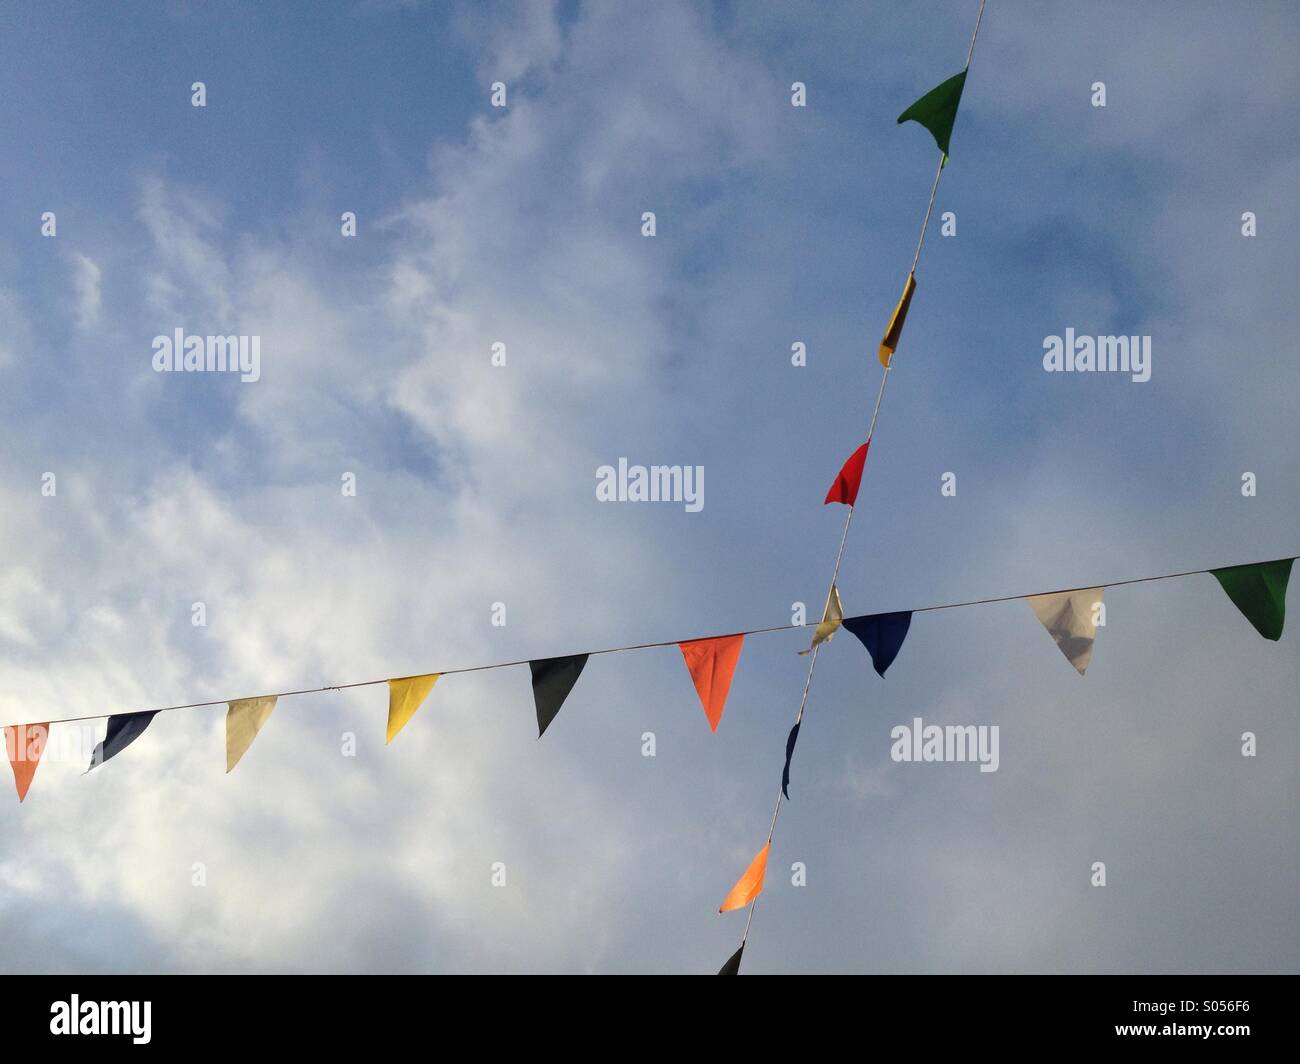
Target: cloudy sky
x,y
475,484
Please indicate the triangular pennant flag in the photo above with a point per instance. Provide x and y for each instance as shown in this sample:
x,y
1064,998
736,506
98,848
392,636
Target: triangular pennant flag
x,y
712,663
405,696
830,622
750,885
24,744
1259,591
244,720
845,488
882,634
732,967
889,343
789,753
553,679
937,110
1069,619
123,729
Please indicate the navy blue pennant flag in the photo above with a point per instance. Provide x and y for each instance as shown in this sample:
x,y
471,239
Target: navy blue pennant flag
x,y
789,753
123,730
732,967
882,634
553,679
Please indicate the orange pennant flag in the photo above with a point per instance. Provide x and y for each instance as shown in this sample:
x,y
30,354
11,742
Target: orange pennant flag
x,y
25,743
712,663
750,885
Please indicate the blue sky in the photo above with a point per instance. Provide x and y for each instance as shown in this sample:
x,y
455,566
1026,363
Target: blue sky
x,y
476,484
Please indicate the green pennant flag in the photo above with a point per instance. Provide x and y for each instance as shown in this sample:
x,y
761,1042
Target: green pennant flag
x,y
937,110
1259,591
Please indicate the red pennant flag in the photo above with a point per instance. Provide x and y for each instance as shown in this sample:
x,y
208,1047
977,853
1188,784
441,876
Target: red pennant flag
x,y
25,743
712,663
845,488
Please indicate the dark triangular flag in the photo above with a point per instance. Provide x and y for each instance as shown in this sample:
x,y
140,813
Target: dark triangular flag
x,y
1259,591
123,730
732,967
553,679
882,634
937,110
789,753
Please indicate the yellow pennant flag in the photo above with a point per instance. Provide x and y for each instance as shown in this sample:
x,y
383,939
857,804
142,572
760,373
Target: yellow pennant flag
x,y
895,330
244,720
405,696
830,622
750,885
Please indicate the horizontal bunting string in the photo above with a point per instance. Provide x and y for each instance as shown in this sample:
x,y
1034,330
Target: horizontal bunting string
x,y
1113,583
660,643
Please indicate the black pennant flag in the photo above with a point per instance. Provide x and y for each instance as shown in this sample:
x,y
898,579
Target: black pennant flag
x,y
882,634
732,967
553,679
123,730
789,753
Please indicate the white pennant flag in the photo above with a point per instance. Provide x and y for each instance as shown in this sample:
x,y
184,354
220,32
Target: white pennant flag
x,y
1070,618
832,618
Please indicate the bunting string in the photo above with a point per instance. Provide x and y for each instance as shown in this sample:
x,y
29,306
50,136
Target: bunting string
x,y
1070,616
929,208
812,659
666,642
887,348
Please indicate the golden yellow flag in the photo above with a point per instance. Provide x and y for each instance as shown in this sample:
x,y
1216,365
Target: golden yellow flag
x,y
750,885
895,330
831,620
244,720
405,696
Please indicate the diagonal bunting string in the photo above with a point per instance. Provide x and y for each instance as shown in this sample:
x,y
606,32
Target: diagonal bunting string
x,y
938,172
661,643
848,520
925,225
812,660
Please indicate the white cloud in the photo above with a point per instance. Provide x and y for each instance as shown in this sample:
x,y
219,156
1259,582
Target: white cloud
x,y
476,485
15,333
86,278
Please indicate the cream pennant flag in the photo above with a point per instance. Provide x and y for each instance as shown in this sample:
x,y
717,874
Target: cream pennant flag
x,y
243,721
405,696
1070,618
830,622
